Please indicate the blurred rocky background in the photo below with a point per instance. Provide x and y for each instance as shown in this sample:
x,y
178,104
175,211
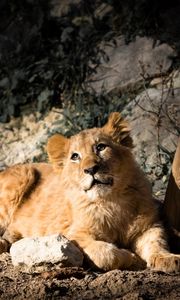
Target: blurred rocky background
x,y
66,64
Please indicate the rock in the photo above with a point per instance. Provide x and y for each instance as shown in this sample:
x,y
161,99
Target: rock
x,y
154,116
24,140
60,8
156,82
171,81
126,62
43,99
4,83
177,80
45,251
103,10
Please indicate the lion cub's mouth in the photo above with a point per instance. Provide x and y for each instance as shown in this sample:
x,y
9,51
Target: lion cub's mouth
x,y
100,183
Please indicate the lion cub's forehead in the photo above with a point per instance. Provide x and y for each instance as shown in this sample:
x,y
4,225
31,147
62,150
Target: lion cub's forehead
x,y
86,138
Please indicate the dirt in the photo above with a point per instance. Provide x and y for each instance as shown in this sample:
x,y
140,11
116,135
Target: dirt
x,y
78,283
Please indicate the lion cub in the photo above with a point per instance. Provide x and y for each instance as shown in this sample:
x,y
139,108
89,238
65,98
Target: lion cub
x,y
94,193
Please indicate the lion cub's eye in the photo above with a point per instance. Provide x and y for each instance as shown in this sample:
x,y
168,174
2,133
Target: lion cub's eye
x,y
101,147
75,156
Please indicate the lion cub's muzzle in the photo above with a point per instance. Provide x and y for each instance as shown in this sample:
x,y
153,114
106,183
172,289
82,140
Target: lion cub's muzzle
x,y
97,178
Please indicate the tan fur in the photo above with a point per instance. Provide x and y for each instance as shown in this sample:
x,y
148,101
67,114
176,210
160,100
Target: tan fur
x,y
112,219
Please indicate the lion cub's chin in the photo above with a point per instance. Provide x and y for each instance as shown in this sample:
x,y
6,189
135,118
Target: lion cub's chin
x,y
98,191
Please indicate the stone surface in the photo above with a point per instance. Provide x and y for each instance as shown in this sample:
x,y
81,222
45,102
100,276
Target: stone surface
x,y
47,250
154,116
60,8
172,80
24,139
126,62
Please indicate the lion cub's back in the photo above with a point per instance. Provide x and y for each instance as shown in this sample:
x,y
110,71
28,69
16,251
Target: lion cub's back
x,y
16,184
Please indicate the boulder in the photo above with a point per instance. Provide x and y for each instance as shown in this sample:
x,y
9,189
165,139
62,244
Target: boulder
x,y
125,63
154,116
43,252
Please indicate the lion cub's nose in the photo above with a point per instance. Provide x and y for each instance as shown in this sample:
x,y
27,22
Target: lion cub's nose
x,y
92,170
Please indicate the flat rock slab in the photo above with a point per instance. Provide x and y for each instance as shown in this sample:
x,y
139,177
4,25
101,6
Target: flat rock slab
x,y
44,252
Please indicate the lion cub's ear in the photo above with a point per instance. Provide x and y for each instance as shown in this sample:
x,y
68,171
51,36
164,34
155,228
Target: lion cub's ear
x,y
57,148
118,129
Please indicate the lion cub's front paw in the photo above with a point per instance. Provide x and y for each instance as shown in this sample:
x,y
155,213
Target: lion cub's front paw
x,y
165,262
107,256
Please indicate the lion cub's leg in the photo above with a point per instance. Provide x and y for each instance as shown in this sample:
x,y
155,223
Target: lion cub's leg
x,y
152,247
107,256
104,255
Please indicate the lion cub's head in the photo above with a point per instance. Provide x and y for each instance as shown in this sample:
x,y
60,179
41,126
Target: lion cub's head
x,y
95,161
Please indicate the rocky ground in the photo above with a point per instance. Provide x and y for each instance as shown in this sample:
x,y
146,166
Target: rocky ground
x,y
79,283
